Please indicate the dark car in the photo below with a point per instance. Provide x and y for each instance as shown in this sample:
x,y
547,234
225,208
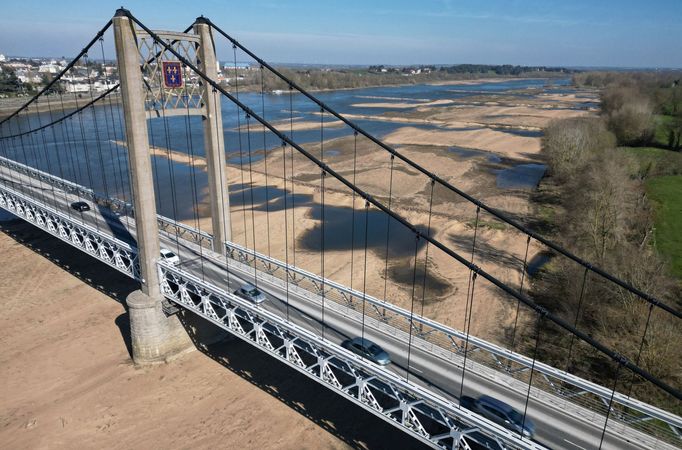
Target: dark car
x,y
367,349
80,206
500,413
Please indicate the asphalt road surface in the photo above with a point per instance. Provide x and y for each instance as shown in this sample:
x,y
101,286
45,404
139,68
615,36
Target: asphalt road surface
x,y
555,428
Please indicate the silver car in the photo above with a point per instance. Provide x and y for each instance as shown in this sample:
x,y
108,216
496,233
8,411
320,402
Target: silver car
x,y
368,350
250,293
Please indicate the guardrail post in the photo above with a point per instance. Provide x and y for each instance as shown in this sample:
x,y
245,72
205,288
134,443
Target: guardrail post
x,y
155,338
214,139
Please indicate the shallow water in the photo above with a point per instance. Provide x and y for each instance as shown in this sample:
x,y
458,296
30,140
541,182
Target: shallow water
x,y
522,176
468,153
521,132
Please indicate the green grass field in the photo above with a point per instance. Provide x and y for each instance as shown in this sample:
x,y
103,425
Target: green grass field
x,y
651,161
661,129
666,194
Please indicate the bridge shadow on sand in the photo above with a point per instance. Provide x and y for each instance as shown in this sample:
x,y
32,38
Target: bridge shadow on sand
x,y
353,425
90,271
338,416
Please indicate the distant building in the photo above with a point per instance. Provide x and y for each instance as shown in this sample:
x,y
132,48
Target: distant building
x,y
49,68
239,65
77,87
2,58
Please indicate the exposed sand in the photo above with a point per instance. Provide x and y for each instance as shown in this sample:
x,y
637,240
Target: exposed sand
x,y
537,116
287,125
401,105
68,381
500,249
577,98
485,139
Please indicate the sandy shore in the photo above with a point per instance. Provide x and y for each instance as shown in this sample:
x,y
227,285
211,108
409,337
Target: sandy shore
x,y
68,380
476,81
502,143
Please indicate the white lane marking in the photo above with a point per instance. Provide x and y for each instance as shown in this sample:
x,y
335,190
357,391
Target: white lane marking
x,y
574,444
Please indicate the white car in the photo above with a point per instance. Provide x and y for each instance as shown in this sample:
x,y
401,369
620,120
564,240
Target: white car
x,y
169,256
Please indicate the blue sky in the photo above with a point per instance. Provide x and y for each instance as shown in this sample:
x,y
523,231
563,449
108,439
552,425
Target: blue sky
x,y
621,33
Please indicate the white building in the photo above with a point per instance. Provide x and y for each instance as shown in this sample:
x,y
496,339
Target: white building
x,y
77,87
48,68
2,58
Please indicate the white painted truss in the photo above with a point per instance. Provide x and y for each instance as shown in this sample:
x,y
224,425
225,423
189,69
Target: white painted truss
x,y
430,418
166,224
107,249
556,387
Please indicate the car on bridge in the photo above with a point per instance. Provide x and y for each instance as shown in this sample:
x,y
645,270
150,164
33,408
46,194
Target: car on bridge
x,y
80,206
251,293
368,350
500,413
169,256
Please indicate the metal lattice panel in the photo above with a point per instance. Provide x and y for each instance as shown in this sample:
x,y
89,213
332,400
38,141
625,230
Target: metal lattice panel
x,y
553,386
188,97
586,399
165,224
69,187
117,254
427,417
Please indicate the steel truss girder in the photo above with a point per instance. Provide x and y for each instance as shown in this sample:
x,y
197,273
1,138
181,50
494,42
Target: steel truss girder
x,y
68,186
165,224
434,334
109,250
429,418
386,312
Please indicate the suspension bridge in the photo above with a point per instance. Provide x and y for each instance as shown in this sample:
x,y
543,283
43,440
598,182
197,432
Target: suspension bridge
x,y
230,173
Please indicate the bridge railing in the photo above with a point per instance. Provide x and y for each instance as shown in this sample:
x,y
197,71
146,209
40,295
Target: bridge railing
x,y
426,416
590,400
116,205
575,291
114,252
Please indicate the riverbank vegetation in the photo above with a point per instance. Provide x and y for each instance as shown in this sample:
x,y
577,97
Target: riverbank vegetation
x,y
349,78
617,184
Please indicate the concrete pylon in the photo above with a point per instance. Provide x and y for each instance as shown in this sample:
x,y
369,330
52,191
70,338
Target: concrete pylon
x,y
155,337
214,139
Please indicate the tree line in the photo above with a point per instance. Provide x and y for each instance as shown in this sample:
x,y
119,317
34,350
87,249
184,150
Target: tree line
x,y
641,108
604,216
339,78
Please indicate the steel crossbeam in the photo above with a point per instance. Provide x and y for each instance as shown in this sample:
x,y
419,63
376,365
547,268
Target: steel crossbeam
x,y
427,417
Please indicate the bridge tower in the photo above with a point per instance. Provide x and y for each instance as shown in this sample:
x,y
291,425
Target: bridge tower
x,y
214,144
155,337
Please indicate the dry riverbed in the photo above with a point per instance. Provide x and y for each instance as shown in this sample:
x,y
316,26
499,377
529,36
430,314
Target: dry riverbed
x,y
485,146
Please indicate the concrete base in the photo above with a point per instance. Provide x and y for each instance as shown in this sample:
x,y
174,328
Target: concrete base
x,y
155,337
